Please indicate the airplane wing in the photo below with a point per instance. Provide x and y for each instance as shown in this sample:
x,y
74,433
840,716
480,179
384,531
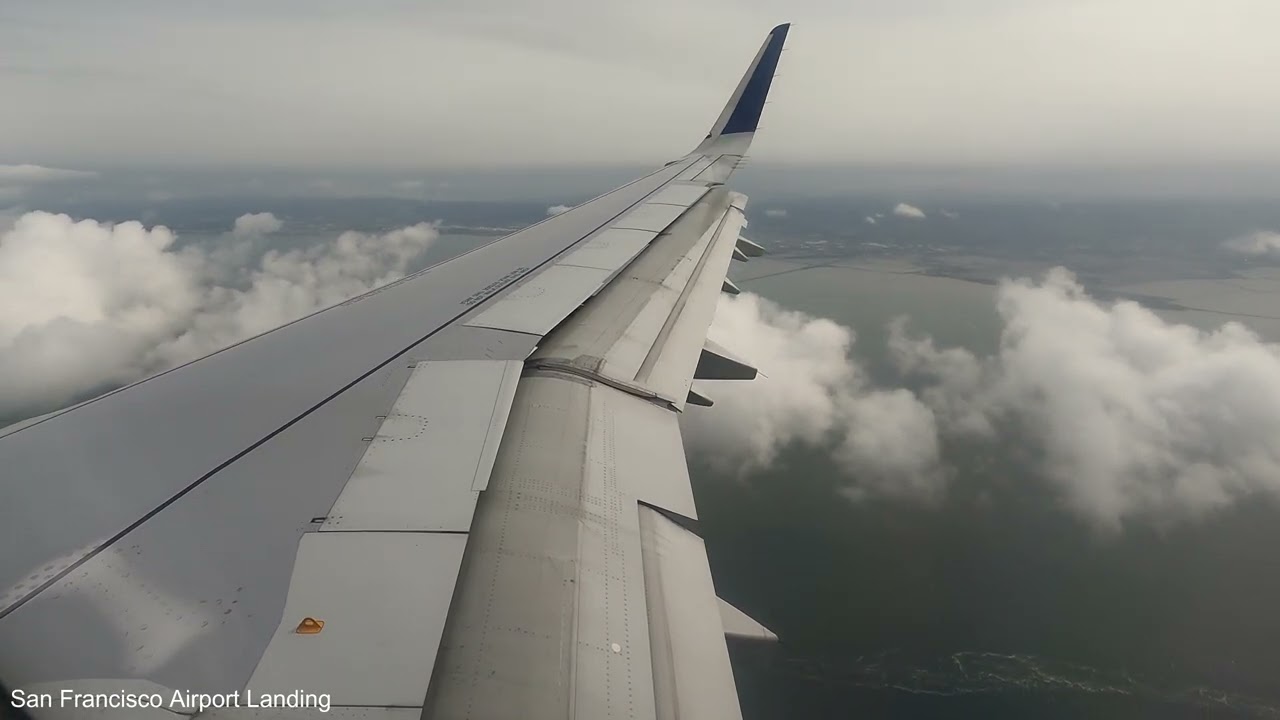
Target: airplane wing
x,y
462,495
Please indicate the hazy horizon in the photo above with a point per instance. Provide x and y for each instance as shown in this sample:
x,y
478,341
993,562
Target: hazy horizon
x,y
392,83
86,188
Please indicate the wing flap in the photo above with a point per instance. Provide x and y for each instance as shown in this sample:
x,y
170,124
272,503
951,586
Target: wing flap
x,y
383,605
553,604
651,216
430,458
643,450
678,194
692,676
611,249
541,303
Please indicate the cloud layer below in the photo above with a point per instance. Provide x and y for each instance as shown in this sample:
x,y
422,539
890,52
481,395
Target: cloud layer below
x,y
884,441
1134,415
1129,415
85,305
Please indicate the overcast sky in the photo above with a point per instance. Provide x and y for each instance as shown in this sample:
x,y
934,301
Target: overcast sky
x,y
457,83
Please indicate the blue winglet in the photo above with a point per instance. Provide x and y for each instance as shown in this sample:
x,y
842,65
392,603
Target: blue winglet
x,y
746,113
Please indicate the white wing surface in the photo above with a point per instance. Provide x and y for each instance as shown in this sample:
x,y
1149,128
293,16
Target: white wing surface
x,y
462,495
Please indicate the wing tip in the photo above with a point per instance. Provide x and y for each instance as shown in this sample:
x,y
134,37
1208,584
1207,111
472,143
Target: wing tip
x,y
742,115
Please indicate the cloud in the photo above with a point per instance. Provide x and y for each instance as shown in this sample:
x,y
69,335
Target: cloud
x,y
1134,416
870,220
557,209
31,174
811,392
890,445
9,216
1258,244
949,214
1130,417
957,381
85,306
908,211
775,212
256,224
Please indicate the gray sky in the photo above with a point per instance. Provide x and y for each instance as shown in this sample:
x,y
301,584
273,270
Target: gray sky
x,y
451,83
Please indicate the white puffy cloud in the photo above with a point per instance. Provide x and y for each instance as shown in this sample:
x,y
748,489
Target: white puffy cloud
x,y
811,392
890,444
956,381
87,305
1130,417
256,224
908,211
870,220
557,209
288,285
1134,415
8,216
82,302
1258,244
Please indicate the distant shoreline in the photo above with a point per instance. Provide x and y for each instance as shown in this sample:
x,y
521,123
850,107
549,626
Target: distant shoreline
x,y
1101,292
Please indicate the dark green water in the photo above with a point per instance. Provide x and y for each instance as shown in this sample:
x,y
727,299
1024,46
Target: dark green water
x,y
997,602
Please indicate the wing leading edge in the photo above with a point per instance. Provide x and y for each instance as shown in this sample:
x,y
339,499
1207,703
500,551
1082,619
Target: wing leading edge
x,y
179,533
